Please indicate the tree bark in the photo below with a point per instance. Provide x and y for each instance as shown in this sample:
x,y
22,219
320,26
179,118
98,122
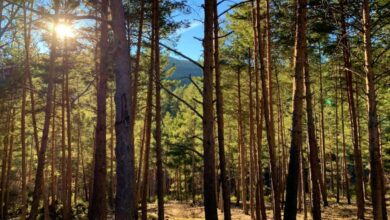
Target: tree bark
x,y
269,123
210,200
376,177
159,164
98,205
220,119
45,133
290,210
313,146
148,128
124,150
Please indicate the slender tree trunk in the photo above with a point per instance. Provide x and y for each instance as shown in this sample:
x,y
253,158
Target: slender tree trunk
x,y
148,125
9,164
124,203
23,111
324,180
68,213
290,210
159,164
210,199
337,140
346,178
98,206
313,146
354,117
220,120
376,177
45,133
252,176
269,123
241,146
53,149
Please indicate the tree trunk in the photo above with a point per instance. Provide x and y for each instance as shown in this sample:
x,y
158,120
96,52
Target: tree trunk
x,y
98,205
337,140
354,117
124,150
313,146
252,175
269,123
210,200
220,119
148,128
290,210
45,133
376,177
241,146
159,164
323,144
345,171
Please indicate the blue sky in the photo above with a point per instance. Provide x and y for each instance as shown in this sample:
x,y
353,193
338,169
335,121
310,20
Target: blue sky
x,y
187,42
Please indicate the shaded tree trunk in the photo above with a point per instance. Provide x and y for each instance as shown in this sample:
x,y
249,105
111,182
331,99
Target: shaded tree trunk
x,y
159,163
45,133
354,117
148,128
98,205
376,177
313,158
210,199
290,209
269,123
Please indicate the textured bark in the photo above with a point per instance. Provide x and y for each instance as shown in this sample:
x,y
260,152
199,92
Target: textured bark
x,y
45,133
210,200
376,176
290,209
98,204
124,202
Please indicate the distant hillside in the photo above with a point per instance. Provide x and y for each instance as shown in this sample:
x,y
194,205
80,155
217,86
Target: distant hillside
x,y
184,69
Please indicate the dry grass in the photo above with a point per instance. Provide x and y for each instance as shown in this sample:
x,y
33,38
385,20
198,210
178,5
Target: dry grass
x,y
183,211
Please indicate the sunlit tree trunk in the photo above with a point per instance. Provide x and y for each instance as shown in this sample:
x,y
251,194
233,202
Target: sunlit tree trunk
x,y
220,119
124,203
337,139
252,175
345,170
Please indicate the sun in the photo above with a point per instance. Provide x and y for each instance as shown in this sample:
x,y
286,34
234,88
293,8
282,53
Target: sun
x,y
62,30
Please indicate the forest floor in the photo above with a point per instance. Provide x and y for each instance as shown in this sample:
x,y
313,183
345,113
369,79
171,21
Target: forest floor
x,y
184,211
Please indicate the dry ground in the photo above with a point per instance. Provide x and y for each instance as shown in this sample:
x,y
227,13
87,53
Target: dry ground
x,y
184,211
